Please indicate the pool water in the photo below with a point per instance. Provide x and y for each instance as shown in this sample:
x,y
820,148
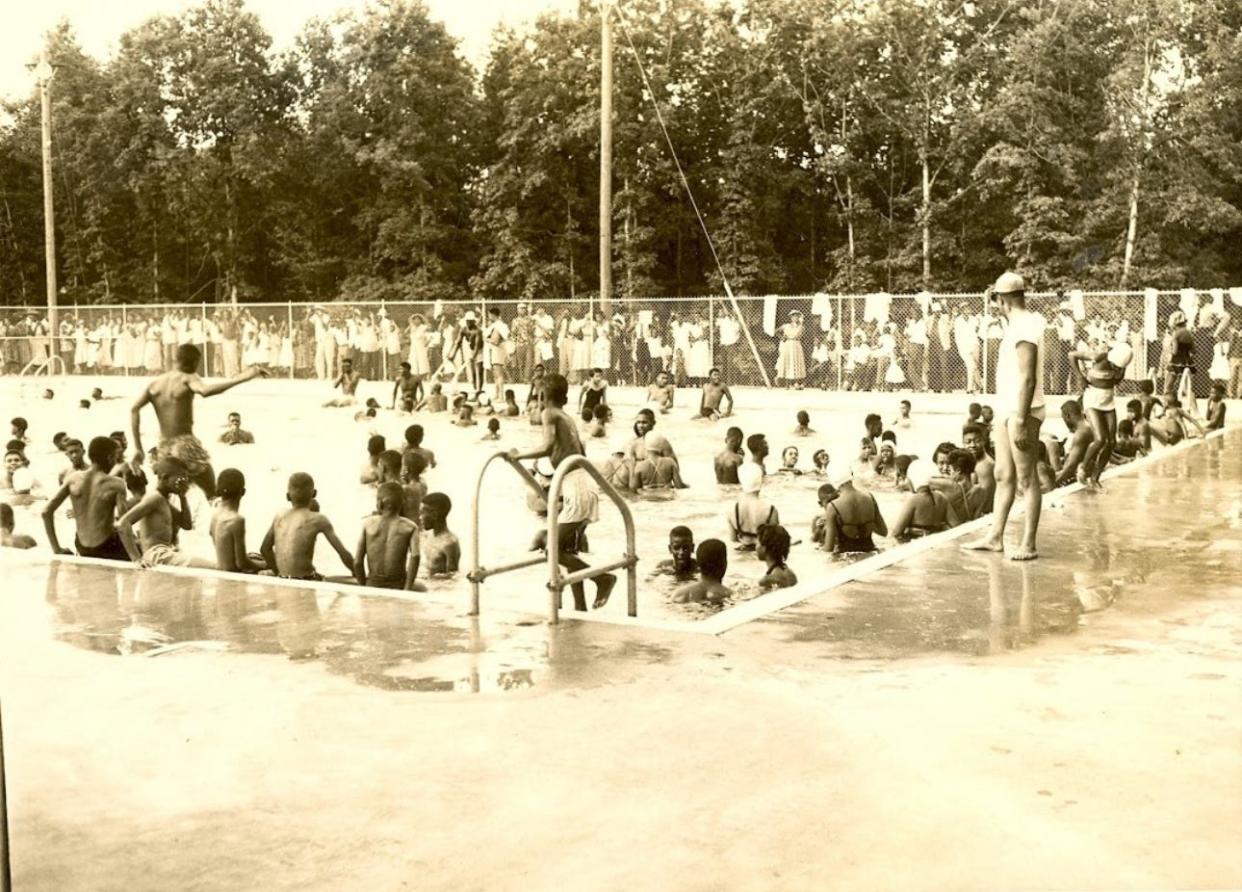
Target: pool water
x,y
293,432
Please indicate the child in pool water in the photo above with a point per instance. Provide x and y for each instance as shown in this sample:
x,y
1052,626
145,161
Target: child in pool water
x,y
439,548
387,552
804,425
681,566
789,462
713,559
288,549
773,547
493,429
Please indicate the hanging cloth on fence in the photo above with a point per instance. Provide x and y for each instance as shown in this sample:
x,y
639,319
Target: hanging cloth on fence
x,y
1189,304
1218,302
438,310
876,306
1077,305
769,315
1134,371
1235,295
821,306
1151,314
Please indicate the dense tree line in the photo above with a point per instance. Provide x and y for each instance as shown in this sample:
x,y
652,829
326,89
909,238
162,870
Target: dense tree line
x,y
830,145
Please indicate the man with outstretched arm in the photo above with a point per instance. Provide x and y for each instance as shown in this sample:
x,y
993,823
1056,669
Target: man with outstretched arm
x,y
172,396
1020,411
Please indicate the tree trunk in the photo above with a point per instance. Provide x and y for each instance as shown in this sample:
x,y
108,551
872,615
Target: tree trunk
x,y
155,261
1136,182
1131,229
925,214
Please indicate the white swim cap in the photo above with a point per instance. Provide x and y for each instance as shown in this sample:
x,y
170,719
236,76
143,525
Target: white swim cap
x,y
919,473
750,475
1120,355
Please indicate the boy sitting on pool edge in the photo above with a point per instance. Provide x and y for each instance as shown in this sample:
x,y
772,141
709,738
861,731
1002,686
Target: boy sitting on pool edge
x,y
388,547
289,546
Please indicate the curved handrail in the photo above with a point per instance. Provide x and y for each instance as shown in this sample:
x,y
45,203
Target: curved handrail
x,y
44,365
558,581
474,574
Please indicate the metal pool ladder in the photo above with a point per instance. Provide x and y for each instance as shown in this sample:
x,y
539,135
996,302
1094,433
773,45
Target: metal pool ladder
x,y
556,578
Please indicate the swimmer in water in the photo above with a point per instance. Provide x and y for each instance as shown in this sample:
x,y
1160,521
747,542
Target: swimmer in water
x,y
98,499
714,392
681,566
369,475
826,493
820,460
850,520
228,527
511,409
440,548
412,485
493,430
924,511
387,551
789,462
750,511
436,401
712,558
975,440
759,451
8,538
728,460
772,547
903,418
414,443
347,380
804,425
660,393
289,546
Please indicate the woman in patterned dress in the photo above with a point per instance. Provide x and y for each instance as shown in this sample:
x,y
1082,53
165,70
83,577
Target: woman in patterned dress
x,y
791,361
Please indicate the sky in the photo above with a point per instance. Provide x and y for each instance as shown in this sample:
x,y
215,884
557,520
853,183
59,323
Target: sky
x,y
100,23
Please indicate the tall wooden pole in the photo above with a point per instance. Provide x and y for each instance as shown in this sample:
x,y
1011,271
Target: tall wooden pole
x,y
605,159
49,218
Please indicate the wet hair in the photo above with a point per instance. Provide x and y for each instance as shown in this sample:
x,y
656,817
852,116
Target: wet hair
x,y
734,433
17,446
231,483
872,419
902,464
888,437
803,418
135,481
6,516
774,540
20,423
84,404
414,434
372,403
188,356
588,414
376,444
493,425
301,488
962,460
1147,388
102,452
555,389
754,441
680,532
905,403
974,410
392,494
826,493
713,558
944,448
439,502
390,462
978,430
413,465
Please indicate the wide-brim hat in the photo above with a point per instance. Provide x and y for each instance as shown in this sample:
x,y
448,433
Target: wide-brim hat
x,y
470,316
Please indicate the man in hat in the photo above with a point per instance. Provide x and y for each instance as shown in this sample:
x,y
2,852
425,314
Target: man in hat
x,y
1179,348
467,350
1020,412
172,396
522,340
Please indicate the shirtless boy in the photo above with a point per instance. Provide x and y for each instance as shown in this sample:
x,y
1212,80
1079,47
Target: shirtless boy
x,y
347,380
1170,428
159,523
1082,439
713,560
414,443
660,394
439,546
758,446
404,387
387,552
975,441
74,451
803,428
714,392
98,498
728,461
289,546
412,485
682,565
8,538
369,475
228,527
172,396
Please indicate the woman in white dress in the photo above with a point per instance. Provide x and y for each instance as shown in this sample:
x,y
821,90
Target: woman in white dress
x,y
791,361
888,372
153,347
699,359
583,331
601,347
107,340
420,362
79,347
285,357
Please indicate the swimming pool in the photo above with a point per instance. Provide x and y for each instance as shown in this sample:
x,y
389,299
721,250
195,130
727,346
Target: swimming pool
x,y
293,432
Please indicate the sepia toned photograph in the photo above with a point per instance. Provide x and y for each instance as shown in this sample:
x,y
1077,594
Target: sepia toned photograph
x,y
621,445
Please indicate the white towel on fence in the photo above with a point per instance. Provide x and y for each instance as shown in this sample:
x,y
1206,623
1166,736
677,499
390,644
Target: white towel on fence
x,y
876,306
1077,304
769,315
1189,304
1151,314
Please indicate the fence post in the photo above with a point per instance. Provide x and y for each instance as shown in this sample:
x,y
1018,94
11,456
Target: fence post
x,y
711,330
293,344
128,338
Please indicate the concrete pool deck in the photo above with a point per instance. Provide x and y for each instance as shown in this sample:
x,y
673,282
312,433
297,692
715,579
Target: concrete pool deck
x,y
954,721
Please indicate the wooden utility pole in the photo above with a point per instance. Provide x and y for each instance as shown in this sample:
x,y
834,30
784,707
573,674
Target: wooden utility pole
x,y
45,72
605,159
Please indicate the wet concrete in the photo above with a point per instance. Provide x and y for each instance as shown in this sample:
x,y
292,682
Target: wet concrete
x,y
953,721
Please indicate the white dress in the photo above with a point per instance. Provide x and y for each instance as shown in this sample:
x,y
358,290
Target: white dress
x,y
699,361
601,349
419,363
1219,370
791,362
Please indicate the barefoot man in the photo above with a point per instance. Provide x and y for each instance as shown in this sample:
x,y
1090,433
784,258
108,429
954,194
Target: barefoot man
x,y
1020,411
172,396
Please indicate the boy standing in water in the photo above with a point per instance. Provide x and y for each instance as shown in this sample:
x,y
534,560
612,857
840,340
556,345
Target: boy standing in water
x,y
348,382
228,527
387,552
412,485
728,461
441,547
289,546
8,538
660,394
579,499
98,498
414,443
682,565
714,392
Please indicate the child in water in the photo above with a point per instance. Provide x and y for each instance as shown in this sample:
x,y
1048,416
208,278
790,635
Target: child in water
x,y
440,548
493,429
288,549
789,461
772,547
712,558
387,552
804,425
820,460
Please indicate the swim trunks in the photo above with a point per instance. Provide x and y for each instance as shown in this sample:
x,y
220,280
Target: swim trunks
x,y
1098,398
393,582
188,450
579,498
164,556
110,549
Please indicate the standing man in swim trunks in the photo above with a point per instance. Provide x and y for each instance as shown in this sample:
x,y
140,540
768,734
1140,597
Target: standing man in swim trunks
x,y
1020,412
98,499
714,391
172,396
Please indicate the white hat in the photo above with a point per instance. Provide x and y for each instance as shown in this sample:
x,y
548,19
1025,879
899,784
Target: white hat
x,y
1009,283
919,473
1120,355
750,475
470,317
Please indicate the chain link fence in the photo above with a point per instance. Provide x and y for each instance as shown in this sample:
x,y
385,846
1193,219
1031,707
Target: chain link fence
x,y
877,342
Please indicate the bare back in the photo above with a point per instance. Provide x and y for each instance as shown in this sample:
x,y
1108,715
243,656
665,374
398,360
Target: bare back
x,y
294,533
388,542
98,499
172,397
